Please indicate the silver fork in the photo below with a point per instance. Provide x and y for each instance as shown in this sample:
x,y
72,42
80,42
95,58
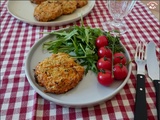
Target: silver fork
x,y
140,112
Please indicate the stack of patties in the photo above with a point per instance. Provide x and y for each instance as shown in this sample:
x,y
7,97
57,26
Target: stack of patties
x,y
58,73
48,10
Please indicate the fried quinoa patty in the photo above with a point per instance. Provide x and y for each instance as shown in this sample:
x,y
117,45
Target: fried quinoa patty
x,y
48,10
68,6
37,1
58,73
81,3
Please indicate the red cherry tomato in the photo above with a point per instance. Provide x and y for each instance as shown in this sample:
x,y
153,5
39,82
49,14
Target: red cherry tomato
x,y
101,41
120,72
104,51
104,63
120,58
105,77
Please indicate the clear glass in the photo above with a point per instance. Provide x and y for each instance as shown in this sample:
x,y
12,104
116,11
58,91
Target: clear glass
x,y
118,9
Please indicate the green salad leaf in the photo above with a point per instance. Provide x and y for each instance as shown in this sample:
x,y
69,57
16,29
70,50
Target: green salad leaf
x,y
79,42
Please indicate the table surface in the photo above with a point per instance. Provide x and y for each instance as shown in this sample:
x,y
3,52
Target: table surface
x,y
20,101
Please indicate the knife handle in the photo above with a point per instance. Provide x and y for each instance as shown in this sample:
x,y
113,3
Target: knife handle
x,y
140,100
157,89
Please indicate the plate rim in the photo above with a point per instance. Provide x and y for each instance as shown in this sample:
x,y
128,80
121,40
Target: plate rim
x,y
63,103
50,23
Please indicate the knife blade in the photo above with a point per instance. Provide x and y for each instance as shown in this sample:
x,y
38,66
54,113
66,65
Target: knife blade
x,y
154,72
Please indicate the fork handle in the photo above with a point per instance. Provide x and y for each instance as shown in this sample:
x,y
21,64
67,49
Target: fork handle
x,y
140,112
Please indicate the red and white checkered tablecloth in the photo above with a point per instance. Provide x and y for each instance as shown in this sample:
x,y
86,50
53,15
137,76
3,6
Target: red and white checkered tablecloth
x,y
20,101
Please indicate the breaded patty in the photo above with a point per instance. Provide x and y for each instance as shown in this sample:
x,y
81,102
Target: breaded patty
x,y
68,6
47,11
81,3
58,73
37,1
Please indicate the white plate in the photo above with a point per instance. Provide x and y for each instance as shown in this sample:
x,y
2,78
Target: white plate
x,y
87,93
23,11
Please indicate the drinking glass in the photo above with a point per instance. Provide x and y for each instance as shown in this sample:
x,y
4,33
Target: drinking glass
x,y
118,9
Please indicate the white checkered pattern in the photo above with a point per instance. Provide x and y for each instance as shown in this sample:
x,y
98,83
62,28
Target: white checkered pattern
x,y
20,101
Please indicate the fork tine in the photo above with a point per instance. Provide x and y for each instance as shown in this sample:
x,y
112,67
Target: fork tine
x,y
145,56
142,51
139,50
136,54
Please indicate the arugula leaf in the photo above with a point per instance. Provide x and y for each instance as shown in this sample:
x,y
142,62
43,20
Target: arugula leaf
x,y
114,43
79,42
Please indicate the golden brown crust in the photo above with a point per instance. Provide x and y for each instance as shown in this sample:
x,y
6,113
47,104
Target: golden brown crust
x,y
47,11
68,6
81,3
37,1
59,73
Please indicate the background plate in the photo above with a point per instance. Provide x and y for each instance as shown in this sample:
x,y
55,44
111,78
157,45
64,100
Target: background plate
x,y
23,11
87,93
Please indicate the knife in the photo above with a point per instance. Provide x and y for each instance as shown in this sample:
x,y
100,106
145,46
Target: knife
x,y
154,72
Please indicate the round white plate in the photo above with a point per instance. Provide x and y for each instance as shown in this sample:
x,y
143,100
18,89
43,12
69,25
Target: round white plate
x,y
87,93
23,11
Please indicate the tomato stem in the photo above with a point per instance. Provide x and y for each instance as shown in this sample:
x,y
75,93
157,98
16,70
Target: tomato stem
x,y
105,58
121,65
102,70
127,63
113,56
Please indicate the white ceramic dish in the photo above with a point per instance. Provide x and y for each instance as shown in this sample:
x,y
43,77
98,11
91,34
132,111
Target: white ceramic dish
x,y
23,11
87,93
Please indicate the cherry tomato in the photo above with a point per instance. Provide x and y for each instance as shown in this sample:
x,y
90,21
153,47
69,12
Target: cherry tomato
x,y
104,63
101,41
120,71
120,58
105,77
104,51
